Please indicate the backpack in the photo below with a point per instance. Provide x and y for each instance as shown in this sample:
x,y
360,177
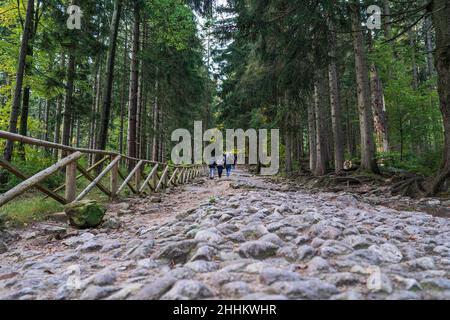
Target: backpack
x,y
220,162
229,158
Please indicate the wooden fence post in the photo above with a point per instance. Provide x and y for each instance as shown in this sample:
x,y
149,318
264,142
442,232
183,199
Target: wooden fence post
x,y
114,179
71,181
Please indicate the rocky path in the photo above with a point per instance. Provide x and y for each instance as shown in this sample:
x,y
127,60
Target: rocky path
x,y
239,239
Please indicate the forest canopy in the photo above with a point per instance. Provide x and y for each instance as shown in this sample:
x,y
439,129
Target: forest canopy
x,y
136,70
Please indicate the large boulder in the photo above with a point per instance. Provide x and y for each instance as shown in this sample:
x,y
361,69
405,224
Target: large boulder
x,y
85,214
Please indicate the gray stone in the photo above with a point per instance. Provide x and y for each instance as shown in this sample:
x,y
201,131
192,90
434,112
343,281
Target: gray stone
x,y
204,253
348,295
144,250
91,246
343,279
105,278
125,292
154,290
318,264
3,247
356,241
112,223
305,289
188,290
182,273
379,282
288,252
436,283
178,251
208,236
305,251
97,292
263,297
424,263
236,289
77,240
273,238
404,295
258,249
387,252
271,275
202,266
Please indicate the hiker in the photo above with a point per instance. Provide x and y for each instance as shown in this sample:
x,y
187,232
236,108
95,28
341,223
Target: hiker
x,y
220,162
229,161
212,168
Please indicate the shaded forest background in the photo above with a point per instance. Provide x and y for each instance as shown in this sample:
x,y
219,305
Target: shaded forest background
x,y
139,69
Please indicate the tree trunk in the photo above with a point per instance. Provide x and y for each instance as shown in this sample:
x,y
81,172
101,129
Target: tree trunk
x,y
15,106
412,44
68,101
312,136
440,15
107,93
428,46
155,130
336,113
387,19
368,160
133,96
123,102
320,94
379,110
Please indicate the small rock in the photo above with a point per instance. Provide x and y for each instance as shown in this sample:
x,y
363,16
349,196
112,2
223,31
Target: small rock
x,y
258,249
271,275
85,214
188,290
200,266
208,236
236,289
96,292
3,247
178,251
436,283
404,295
305,289
155,289
387,252
105,278
90,246
318,264
204,253
304,252
348,295
379,282
112,223
425,263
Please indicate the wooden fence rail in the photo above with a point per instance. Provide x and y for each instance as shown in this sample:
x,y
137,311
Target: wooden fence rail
x,y
161,176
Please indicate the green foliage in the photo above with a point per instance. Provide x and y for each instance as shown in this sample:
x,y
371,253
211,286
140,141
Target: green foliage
x,y
27,210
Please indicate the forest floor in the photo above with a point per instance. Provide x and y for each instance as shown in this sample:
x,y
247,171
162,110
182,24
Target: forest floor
x,y
240,238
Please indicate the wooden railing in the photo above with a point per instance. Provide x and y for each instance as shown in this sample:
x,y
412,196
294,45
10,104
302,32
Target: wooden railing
x,y
160,177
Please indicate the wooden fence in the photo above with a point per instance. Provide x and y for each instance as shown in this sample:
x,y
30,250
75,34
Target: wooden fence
x,y
161,175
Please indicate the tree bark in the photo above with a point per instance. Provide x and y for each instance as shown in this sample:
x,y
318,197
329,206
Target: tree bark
x,y
440,14
429,46
412,44
133,92
312,136
336,112
15,106
379,110
123,102
107,93
320,94
368,160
